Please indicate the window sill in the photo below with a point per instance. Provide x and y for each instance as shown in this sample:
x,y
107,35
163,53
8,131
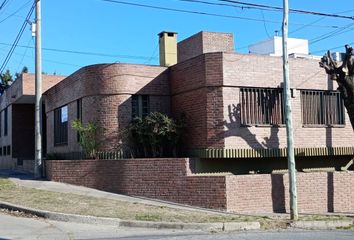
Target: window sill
x,y
323,126
263,125
60,144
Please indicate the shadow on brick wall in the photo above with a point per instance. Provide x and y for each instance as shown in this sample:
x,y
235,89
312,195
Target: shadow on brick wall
x,y
330,192
235,129
278,193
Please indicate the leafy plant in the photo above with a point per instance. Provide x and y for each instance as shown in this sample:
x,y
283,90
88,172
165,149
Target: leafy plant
x,y
87,137
156,135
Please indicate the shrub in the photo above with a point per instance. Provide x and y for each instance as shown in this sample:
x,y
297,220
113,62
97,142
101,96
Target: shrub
x,y
156,135
87,137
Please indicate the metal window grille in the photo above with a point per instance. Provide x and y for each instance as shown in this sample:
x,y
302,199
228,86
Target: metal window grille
x,y
261,106
60,126
322,108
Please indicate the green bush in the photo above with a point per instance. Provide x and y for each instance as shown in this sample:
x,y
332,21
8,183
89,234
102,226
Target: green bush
x,y
156,135
87,137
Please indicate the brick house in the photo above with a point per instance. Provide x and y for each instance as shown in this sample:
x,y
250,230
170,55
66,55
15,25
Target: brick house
x,y
17,121
233,103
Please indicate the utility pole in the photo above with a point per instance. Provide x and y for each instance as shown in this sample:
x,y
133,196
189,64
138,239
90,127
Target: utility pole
x,y
38,92
288,117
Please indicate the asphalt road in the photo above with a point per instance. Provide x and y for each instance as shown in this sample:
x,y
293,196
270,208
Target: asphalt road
x,y
28,228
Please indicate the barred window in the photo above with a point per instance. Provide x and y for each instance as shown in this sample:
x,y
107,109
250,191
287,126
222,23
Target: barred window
x,y
61,125
140,106
322,108
261,106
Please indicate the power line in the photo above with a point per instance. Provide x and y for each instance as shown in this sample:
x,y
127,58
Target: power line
x,y
290,10
3,4
331,34
87,53
15,12
224,4
324,50
208,13
17,39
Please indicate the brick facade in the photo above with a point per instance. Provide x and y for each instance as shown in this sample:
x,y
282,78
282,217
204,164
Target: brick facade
x,y
204,42
173,180
19,101
105,90
204,85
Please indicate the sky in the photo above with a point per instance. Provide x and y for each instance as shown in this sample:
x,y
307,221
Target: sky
x,y
77,33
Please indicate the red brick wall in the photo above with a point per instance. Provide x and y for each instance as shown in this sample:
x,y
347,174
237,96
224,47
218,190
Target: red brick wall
x,y
205,42
317,192
264,71
194,94
172,180
166,179
105,90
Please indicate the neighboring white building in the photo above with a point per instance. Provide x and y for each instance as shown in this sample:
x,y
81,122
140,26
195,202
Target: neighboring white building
x,y
273,46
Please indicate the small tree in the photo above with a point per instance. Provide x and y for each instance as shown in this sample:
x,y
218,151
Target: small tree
x,y
87,137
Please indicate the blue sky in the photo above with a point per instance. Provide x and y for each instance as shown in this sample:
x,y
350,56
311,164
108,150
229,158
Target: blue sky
x,y
123,33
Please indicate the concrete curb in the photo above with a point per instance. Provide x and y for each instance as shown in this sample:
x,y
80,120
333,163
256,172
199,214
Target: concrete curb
x,y
321,225
63,217
227,226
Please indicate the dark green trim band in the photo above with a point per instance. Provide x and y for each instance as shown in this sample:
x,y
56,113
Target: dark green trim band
x,y
260,153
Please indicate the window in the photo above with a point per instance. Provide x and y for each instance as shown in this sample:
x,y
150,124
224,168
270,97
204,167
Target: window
x,y
5,122
0,124
0,151
140,106
79,114
61,125
260,106
9,150
322,108
4,150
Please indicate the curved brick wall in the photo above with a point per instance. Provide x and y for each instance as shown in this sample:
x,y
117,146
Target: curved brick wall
x,y
105,90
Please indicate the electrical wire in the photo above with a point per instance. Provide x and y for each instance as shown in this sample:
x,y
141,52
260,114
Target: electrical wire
x,y
334,48
87,53
331,34
17,39
300,11
15,12
208,13
3,4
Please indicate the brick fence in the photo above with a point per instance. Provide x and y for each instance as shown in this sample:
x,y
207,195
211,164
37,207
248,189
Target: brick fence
x,y
172,180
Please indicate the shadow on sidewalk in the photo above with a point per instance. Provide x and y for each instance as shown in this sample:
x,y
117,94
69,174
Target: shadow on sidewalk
x,y
13,173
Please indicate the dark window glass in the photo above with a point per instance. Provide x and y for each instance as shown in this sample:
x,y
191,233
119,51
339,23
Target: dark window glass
x,y
9,150
260,106
0,151
79,114
322,108
4,150
5,122
0,123
140,106
61,125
